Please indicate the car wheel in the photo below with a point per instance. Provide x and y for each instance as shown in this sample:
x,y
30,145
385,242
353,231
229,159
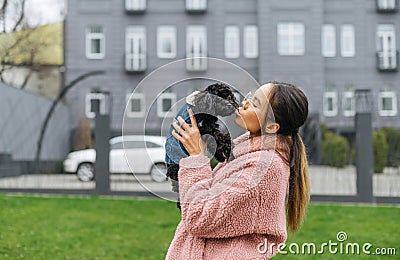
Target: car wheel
x,y
85,172
158,172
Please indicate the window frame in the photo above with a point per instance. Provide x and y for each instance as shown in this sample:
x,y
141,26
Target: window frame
x,y
328,38
135,5
290,32
172,111
95,36
135,33
334,111
196,5
387,94
247,35
196,35
349,35
387,57
349,95
384,4
91,96
232,36
135,114
166,32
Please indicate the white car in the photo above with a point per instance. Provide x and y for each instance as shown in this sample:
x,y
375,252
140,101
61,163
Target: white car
x,y
145,155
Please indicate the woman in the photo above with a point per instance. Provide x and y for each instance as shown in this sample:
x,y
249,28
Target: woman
x,y
237,210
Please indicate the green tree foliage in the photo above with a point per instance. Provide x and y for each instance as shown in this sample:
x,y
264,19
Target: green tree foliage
x,y
380,150
334,148
393,141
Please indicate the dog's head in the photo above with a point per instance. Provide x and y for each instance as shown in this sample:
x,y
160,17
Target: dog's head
x,y
217,99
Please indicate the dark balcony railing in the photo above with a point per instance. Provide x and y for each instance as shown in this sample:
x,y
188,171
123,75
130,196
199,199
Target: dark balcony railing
x,y
387,6
387,61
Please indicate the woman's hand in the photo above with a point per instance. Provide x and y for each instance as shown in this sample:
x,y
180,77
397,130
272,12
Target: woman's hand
x,y
189,135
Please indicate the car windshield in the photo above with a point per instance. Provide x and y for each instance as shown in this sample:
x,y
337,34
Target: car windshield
x,y
139,144
118,145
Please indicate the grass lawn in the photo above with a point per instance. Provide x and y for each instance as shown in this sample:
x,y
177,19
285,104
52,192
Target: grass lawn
x,y
118,228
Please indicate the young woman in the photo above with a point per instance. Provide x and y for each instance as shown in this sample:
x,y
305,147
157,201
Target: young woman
x,y
237,210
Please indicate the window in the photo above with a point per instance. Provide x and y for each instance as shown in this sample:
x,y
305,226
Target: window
x,y
166,105
347,41
232,42
349,103
387,103
386,4
117,146
250,41
140,145
196,5
135,5
386,46
135,49
134,144
152,145
94,103
330,104
328,40
196,48
166,42
95,42
291,38
136,105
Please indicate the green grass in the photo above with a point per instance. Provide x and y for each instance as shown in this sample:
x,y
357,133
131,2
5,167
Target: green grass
x,y
378,225
117,228
85,228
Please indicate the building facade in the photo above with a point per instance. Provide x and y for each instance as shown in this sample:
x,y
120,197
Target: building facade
x,y
22,118
327,48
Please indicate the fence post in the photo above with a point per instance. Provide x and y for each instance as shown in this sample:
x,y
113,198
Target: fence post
x,y
364,145
102,147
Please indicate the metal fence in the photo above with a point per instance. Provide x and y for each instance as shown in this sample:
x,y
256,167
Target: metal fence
x,y
327,183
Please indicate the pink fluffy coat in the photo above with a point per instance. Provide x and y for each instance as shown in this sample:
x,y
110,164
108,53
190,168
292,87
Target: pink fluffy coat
x,y
235,211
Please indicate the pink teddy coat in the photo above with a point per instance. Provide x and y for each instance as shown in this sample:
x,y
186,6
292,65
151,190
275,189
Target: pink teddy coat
x,y
237,210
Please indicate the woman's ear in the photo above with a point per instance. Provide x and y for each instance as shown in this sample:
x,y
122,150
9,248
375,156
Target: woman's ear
x,y
272,127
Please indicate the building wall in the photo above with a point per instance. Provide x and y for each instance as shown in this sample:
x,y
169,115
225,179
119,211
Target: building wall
x,y
312,72
21,118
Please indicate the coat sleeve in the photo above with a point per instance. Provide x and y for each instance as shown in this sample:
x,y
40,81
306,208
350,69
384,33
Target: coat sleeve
x,y
223,206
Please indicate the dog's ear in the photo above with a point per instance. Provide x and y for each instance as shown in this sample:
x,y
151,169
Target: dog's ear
x,y
205,103
217,99
225,101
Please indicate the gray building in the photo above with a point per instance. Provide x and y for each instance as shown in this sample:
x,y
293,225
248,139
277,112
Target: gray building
x,y
329,48
22,116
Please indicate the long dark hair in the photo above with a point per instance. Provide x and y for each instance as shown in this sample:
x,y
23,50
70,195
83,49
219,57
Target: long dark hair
x,y
290,109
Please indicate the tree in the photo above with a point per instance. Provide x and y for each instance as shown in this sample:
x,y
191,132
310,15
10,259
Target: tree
x,y
84,135
335,149
393,140
21,42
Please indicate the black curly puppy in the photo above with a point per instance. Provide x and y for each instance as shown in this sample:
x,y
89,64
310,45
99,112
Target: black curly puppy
x,y
215,100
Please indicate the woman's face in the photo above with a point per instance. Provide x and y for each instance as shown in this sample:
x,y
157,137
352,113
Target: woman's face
x,y
252,112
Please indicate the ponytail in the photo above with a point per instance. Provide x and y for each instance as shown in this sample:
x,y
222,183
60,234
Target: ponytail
x,y
289,105
299,184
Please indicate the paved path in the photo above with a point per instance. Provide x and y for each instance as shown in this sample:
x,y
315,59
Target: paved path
x,y
324,181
